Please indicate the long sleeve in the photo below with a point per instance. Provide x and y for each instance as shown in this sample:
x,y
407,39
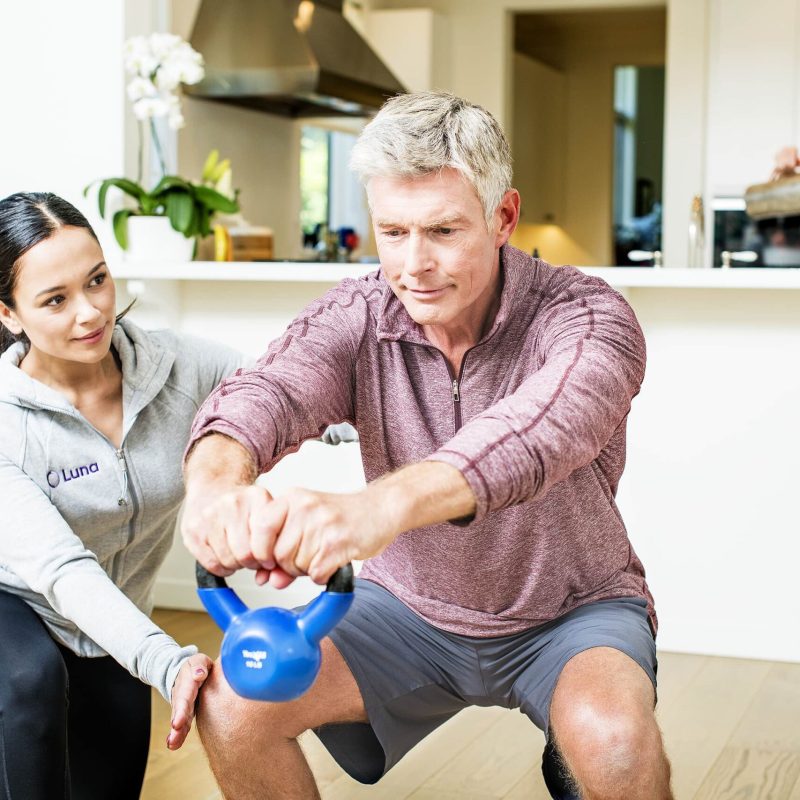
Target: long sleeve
x,y
40,548
303,383
561,417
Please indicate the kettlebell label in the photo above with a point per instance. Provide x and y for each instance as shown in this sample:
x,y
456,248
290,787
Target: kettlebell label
x,y
253,658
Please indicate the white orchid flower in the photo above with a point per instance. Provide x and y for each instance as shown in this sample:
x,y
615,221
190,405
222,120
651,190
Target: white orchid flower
x,y
139,88
162,44
138,57
150,108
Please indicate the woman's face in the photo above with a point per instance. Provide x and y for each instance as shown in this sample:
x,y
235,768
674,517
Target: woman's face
x,y
64,298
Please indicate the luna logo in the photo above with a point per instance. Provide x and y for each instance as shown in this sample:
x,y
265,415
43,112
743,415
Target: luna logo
x,y
54,477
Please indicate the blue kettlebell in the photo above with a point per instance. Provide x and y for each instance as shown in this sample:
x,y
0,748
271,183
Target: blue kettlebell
x,y
273,653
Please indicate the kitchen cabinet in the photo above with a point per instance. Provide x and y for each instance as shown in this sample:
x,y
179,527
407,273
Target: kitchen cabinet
x,y
753,90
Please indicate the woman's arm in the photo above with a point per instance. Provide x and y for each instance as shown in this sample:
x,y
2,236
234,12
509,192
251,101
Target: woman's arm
x,y
40,548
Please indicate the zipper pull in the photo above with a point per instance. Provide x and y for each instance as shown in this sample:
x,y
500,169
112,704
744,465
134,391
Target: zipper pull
x,y
456,395
124,467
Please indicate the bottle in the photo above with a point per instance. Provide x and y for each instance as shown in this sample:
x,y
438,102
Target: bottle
x,y
696,234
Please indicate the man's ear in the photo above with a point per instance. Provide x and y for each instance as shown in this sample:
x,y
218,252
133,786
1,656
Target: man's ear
x,y
507,217
9,319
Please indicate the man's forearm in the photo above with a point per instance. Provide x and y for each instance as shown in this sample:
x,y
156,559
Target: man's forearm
x,y
219,461
423,494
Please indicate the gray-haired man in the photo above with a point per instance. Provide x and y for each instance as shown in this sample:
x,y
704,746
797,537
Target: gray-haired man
x,y
490,392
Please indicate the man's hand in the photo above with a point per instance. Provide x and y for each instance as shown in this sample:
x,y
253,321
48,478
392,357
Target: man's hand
x,y
786,163
320,532
190,678
227,523
230,524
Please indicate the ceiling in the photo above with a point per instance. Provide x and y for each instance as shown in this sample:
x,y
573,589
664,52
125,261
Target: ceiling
x,y
549,37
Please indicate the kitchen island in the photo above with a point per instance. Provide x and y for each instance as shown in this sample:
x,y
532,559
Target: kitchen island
x,y
708,494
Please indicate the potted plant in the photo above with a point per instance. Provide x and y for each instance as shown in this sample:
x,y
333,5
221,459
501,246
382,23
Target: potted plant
x,y
174,207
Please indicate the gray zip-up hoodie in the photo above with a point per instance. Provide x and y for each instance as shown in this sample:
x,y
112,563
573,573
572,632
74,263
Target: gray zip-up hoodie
x,y
84,525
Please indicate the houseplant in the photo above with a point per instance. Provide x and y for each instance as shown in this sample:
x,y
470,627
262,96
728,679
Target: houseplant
x,y
159,64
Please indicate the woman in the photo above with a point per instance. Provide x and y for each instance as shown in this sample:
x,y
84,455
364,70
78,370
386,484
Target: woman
x,y
94,416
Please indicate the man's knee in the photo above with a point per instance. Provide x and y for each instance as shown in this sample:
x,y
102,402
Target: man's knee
x,y
334,697
224,716
608,750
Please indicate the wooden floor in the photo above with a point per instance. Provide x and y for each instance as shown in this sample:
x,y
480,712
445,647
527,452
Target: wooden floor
x,y
731,727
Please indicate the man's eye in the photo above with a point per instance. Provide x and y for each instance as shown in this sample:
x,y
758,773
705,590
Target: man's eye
x,y
393,233
445,231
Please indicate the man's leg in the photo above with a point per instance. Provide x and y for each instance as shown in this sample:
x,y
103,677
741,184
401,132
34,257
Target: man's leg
x,y
252,746
602,719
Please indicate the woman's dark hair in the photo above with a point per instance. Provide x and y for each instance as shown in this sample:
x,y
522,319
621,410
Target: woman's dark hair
x,y
27,218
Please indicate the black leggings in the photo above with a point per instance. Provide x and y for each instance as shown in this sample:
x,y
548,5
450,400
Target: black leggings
x,y
70,727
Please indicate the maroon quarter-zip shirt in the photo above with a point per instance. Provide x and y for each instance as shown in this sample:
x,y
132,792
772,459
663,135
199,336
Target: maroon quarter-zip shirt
x,y
535,420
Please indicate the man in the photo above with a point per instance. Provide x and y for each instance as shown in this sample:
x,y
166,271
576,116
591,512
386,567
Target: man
x,y
490,392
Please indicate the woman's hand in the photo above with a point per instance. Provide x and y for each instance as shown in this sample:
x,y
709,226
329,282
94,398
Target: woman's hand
x,y
191,677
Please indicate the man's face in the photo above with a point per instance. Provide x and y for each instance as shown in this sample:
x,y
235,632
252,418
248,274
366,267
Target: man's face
x,y
434,246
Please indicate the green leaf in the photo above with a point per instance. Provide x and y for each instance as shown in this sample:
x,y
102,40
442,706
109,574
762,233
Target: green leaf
x,y
169,182
203,220
215,201
123,184
180,210
120,225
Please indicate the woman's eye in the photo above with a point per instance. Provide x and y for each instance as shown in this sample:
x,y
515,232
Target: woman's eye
x,y
56,300
98,279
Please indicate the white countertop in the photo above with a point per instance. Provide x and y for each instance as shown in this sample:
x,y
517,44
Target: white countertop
x,y
331,273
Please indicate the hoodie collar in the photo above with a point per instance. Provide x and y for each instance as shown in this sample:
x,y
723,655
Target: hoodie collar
x,y
396,324
146,364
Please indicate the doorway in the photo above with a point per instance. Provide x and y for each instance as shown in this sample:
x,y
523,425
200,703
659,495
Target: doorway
x,y
578,164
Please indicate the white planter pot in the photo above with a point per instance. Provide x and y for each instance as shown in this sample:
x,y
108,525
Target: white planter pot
x,y
154,239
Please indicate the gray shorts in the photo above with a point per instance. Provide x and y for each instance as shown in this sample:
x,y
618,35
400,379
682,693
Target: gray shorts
x,y
413,677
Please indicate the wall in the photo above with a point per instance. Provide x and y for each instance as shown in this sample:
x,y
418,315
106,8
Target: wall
x,y
62,121
264,152
685,109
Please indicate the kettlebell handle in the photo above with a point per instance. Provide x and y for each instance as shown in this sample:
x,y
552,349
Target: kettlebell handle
x,y
341,582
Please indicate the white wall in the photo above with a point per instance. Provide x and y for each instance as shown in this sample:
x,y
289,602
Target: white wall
x,y
709,490
62,118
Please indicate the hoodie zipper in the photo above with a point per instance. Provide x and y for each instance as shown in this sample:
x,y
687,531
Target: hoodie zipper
x,y
127,491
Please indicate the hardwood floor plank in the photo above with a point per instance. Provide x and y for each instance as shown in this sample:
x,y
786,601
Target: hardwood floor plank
x,y
423,761
698,721
491,765
530,786
772,720
752,774
675,672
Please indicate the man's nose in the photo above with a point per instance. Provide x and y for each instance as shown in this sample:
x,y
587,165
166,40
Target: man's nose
x,y
419,257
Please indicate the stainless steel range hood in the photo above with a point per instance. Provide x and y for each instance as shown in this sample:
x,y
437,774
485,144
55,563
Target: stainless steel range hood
x,y
288,57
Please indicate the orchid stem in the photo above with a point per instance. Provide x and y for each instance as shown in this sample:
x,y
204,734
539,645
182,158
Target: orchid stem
x,y
140,155
157,144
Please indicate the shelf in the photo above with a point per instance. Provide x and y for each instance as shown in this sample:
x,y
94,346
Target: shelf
x,y
735,278
282,271
332,273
